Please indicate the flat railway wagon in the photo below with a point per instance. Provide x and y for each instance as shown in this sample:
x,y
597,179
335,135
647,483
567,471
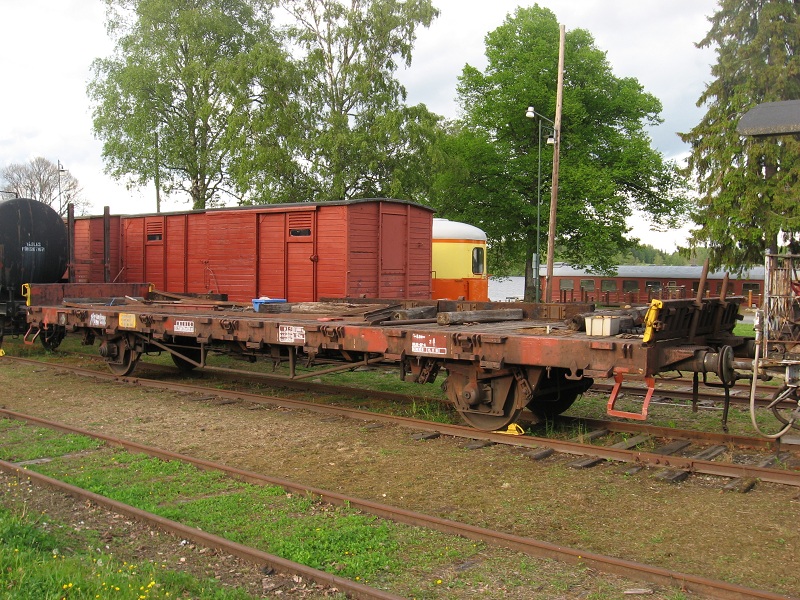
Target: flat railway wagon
x,y
498,358
297,252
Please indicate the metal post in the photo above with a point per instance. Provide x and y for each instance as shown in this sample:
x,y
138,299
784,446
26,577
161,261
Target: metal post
x,y
60,169
537,257
538,286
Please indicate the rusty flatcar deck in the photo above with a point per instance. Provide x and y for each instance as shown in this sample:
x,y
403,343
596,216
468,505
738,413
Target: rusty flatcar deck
x,y
499,358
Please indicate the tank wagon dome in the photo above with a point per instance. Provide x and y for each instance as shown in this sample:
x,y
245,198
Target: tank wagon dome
x,y
34,244
444,229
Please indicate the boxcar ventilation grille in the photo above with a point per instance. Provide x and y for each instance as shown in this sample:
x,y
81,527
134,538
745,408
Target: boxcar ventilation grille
x,y
154,231
300,224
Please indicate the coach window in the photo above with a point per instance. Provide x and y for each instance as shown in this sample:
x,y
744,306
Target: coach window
x,y
653,285
751,287
477,260
587,284
566,284
608,285
630,285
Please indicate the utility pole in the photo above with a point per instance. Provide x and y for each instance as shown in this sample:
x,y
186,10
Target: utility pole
x,y
551,230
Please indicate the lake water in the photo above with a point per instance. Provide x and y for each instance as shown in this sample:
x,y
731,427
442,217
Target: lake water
x,y
507,287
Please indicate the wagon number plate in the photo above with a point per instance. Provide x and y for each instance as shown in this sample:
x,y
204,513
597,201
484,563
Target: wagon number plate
x,y
428,343
289,334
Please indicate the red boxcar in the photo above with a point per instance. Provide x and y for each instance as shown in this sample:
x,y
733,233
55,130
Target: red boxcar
x,y
300,252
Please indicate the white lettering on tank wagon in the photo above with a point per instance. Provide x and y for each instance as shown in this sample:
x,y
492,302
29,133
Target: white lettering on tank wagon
x,y
184,327
289,334
428,343
97,320
33,247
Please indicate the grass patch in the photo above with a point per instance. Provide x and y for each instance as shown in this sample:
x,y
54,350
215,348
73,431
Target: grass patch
x,y
35,563
335,539
23,443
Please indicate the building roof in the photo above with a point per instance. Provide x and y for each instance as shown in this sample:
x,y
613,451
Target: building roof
x,y
655,272
771,118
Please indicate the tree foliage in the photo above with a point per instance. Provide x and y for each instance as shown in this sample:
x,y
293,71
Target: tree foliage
x,y
210,98
46,182
361,139
175,102
608,166
748,186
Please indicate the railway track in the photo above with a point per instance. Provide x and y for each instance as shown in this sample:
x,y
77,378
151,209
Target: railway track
x,y
675,453
606,564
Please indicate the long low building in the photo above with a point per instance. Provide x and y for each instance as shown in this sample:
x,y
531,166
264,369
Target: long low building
x,y
634,284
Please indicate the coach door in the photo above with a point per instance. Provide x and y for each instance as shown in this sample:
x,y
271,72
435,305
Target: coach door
x,y
301,258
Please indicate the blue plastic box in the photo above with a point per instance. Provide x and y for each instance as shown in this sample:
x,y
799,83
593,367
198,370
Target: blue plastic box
x,y
259,301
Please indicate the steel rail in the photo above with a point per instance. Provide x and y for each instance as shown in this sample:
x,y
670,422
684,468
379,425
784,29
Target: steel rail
x,y
738,395
669,432
607,564
198,536
707,467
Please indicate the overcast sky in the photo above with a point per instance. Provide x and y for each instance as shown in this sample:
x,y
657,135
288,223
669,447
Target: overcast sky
x,y
48,46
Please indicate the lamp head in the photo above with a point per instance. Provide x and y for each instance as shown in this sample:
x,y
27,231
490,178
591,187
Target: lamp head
x,y
530,113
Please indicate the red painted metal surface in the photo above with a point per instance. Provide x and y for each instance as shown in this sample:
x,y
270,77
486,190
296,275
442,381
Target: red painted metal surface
x,y
301,252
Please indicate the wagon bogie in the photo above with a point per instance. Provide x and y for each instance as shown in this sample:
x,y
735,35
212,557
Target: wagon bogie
x,y
121,352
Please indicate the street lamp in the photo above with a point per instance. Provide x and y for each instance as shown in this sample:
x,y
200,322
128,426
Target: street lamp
x,y
61,169
532,114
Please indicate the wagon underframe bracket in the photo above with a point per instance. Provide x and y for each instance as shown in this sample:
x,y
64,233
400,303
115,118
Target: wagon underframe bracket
x,y
611,411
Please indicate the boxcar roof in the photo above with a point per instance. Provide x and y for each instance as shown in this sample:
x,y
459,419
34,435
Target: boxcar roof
x,y
277,207
655,272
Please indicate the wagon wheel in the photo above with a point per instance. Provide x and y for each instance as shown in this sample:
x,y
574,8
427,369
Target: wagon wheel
x,y
555,394
52,336
487,403
120,355
190,351
787,416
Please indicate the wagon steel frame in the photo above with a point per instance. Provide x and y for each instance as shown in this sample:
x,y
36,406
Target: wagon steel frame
x,y
527,358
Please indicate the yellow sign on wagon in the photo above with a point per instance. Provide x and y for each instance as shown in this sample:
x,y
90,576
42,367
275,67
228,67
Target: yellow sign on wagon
x,y
127,320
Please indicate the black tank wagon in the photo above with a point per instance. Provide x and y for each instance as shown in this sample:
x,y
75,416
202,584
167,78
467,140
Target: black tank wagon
x,y
34,248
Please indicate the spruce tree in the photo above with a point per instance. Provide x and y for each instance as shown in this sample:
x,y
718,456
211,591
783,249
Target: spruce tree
x,y
748,187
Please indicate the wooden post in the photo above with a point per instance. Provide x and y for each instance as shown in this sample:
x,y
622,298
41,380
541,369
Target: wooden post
x,y
71,241
106,244
551,230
